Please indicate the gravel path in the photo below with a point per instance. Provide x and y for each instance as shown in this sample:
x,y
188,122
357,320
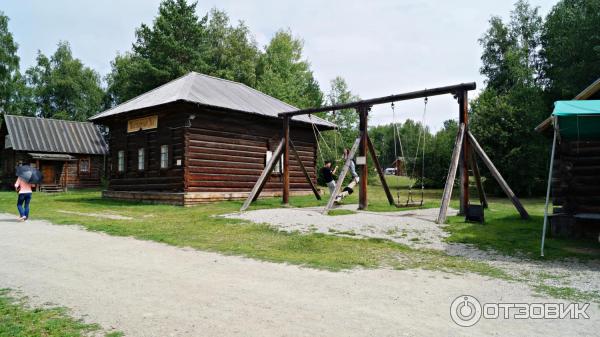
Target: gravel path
x,y
149,289
417,229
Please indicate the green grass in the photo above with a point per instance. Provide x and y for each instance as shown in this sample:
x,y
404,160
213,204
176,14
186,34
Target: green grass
x,y
505,232
335,212
17,319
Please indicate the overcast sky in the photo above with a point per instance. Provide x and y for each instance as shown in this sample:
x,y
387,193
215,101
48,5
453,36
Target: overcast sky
x,y
380,47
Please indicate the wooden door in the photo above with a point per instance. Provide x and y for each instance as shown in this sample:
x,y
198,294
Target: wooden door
x,y
48,173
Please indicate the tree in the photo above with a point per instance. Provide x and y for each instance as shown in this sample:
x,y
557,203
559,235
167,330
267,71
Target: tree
x,y
507,110
233,52
180,42
571,47
14,94
284,74
63,87
174,45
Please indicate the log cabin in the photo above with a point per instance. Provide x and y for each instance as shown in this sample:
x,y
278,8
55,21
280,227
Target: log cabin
x,y
200,138
69,154
575,183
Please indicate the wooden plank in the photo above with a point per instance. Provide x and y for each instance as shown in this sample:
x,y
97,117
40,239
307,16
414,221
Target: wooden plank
x,y
285,197
477,174
363,111
451,175
264,176
380,172
486,160
340,181
306,174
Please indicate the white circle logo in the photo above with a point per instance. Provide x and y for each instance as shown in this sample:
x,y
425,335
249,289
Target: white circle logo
x,y
465,310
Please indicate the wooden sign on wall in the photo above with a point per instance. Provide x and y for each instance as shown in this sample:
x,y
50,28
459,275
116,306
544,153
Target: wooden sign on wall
x,y
143,123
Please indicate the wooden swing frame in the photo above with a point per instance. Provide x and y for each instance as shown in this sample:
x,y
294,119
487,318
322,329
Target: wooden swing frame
x,y
462,155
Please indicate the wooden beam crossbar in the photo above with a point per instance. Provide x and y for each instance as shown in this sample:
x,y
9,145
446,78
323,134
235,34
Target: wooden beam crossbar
x,y
451,89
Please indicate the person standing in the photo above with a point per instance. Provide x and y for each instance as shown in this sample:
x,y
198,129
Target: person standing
x,y
24,189
327,174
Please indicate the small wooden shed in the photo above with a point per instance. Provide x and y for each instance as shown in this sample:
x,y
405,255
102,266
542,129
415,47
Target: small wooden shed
x,y
574,184
200,138
69,154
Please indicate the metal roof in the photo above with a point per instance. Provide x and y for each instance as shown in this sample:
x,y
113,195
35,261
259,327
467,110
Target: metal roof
x,y
213,92
54,135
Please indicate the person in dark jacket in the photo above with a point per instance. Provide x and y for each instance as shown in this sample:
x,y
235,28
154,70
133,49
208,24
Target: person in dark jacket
x,y
327,174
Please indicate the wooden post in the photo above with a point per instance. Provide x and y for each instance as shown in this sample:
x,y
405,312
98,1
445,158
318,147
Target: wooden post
x,y
363,112
477,174
496,174
458,144
380,172
340,181
286,160
264,176
306,175
463,103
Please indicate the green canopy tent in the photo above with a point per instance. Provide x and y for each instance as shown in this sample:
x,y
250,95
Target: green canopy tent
x,y
571,120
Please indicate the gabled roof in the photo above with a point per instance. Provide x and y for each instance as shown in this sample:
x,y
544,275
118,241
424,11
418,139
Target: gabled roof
x,y
54,135
211,92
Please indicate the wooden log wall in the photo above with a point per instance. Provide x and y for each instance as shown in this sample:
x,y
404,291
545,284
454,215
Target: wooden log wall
x,y
576,181
72,177
226,152
170,132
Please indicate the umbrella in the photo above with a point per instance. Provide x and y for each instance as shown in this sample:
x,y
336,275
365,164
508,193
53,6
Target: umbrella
x,y
29,174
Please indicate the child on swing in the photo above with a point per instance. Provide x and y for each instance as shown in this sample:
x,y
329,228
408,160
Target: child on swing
x,y
350,188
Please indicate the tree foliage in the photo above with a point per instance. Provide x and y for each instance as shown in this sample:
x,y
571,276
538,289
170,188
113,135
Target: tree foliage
x,y
283,73
571,47
63,87
14,94
507,110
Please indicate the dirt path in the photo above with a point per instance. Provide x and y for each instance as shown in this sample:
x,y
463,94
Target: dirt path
x,y
150,289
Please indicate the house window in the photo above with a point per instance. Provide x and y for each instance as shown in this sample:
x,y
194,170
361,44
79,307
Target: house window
x,y
278,166
141,159
164,156
121,161
84,166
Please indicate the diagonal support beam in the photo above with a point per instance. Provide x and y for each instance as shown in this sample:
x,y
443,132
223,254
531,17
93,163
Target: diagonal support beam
x,y
451,174
264,176
340,181
477,174
496,174
380,172
312,185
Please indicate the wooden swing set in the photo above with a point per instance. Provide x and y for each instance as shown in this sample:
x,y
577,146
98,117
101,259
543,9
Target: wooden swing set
x,y
463,155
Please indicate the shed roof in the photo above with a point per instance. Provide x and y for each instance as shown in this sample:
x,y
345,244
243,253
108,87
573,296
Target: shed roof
x,y
54,135
212,92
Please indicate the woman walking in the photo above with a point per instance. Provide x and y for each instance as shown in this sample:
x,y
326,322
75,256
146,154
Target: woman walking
x,y
25,190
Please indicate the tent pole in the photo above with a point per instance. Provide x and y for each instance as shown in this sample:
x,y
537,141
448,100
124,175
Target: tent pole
x,y
548,190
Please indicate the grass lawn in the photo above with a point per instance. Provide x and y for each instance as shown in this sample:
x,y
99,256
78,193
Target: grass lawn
x,y
17,319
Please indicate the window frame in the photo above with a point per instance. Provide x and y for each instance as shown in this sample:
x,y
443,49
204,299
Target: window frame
x,y
164,164
80,166
141,161
121,161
